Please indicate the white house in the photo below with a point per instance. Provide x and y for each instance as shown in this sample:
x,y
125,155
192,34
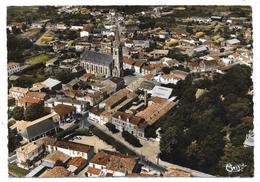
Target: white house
x,y
13,67
72,149
52,84
76,27
95,115
80,105
84,33
172,77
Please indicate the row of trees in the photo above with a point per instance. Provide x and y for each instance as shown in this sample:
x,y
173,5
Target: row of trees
x,y
112,127
208,132
131,139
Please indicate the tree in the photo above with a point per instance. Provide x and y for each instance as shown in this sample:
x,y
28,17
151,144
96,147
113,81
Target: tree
x,y
166,70
237,156
169,140
18,113
193,153
63,75
238,133
237,80
194,136
237,110
112,127
33,112
131,139
14,139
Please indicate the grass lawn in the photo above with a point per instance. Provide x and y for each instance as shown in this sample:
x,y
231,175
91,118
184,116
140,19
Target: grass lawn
x,y
42,58
17,171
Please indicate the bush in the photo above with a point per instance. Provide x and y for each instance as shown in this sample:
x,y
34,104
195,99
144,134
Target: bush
x,y
18,113
131,139
112,128
81,132
66,132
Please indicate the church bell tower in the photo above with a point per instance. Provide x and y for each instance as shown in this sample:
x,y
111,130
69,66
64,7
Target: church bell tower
x,y
117,55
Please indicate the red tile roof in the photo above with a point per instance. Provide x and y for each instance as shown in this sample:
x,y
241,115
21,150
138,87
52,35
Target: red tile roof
x,y
72,146
63,110
94,171
115,161
57,171
29,100
77,161
12,64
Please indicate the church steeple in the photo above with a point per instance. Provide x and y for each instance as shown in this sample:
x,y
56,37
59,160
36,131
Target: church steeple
x,y
117,37
117,54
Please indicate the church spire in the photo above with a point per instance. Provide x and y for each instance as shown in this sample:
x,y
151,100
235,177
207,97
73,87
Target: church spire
x,y
117,37
117,33
117,52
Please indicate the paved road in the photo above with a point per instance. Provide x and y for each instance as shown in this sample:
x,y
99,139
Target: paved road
x,y
84,121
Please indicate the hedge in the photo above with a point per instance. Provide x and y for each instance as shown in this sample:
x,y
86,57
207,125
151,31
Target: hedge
x,y
66,132
112,128
131,139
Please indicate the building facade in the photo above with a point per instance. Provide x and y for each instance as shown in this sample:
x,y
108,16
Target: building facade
x,y
127,122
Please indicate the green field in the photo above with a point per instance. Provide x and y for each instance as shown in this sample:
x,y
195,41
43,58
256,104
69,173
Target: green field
x,y
16,171
42,58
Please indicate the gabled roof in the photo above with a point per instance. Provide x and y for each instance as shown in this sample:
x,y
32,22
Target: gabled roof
x,y
73,146
51,82
94,171
130,118
233,41
37,127
63,110
40,127
40,95
77,161
55,156
162,92
12,64
29,100
97,57
96,111
57,171
115,161
156,109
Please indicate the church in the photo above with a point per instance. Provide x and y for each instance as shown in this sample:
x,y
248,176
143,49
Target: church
x,y
102,64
